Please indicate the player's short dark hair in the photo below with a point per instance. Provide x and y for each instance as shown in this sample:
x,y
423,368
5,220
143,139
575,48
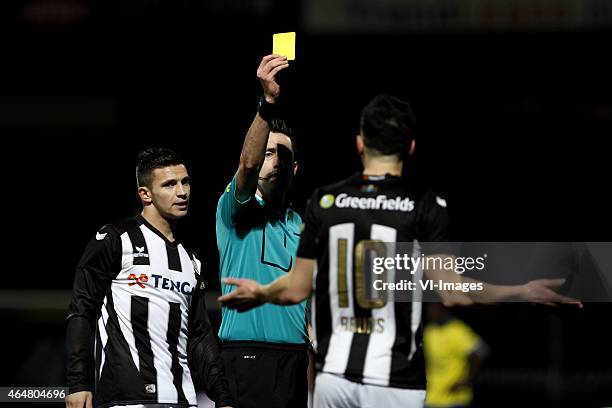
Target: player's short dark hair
x,y
154,158
387,124
279,125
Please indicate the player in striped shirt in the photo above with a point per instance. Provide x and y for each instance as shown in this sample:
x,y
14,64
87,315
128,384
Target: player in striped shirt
x,y
140,291
369,349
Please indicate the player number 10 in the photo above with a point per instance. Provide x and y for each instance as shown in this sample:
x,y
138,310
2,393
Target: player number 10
x,y
342,236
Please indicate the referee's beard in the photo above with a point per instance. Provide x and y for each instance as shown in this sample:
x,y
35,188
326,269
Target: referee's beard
x,y
276,193
274,187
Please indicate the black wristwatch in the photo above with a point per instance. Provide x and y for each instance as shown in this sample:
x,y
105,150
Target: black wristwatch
x,y
267,111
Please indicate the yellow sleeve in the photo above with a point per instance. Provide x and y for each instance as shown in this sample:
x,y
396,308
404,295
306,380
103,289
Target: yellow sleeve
x,y
464,340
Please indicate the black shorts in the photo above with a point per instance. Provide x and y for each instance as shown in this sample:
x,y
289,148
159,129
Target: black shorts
x,y
270,375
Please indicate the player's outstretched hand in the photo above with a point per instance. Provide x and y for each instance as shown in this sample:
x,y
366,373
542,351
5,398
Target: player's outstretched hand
x,y
248,294
541,291
266,72
79,400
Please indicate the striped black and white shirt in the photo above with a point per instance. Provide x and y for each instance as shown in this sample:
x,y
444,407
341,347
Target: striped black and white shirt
x,y
142,296
371,342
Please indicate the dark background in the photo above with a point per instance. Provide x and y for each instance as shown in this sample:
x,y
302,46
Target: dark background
x,y
512,129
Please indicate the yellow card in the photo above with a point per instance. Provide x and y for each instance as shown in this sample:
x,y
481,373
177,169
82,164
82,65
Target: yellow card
x,y
284,44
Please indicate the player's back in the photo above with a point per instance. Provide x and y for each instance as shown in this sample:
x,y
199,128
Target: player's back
x,y
365,338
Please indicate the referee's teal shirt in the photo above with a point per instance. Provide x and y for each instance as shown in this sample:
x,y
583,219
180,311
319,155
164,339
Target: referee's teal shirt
x,y
255,247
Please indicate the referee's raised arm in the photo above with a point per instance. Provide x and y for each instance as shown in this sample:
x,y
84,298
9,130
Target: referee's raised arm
x,y
256,140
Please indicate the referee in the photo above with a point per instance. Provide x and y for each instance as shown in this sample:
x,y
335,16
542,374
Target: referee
x,y
141,291
264,350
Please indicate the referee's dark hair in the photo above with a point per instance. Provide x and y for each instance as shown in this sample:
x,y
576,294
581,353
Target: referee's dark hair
x,y
279,125
387,124
154,158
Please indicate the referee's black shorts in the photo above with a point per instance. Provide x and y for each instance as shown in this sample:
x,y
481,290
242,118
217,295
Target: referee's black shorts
x,y
270,375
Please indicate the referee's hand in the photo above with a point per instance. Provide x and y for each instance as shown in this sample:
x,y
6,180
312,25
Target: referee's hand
x,y
266,72
79,400
247,295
